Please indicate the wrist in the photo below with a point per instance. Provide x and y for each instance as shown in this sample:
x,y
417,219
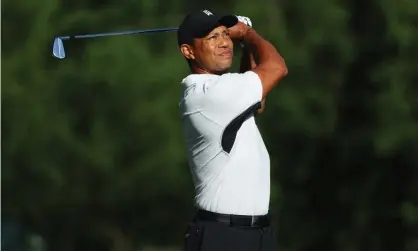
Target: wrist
x,y
250,32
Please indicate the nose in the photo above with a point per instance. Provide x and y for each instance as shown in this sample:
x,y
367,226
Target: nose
x,y
224,43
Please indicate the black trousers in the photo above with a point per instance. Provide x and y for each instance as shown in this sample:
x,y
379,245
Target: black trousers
x,y
212,235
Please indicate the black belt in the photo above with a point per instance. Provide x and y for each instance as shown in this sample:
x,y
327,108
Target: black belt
x,y
235,220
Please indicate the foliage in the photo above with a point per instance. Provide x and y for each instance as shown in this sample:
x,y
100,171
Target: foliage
x,y
93,156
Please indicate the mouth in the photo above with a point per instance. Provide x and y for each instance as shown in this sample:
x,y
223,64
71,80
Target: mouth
x,y
227,54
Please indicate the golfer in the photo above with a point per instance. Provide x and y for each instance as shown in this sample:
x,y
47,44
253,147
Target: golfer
x,y
229,162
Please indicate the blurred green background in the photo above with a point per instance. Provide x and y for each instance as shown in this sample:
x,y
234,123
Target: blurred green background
x,y
92,149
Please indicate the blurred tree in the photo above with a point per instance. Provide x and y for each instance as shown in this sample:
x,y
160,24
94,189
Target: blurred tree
x,y
93,155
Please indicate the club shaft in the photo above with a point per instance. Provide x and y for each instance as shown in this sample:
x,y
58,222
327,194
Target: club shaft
x,y
120,33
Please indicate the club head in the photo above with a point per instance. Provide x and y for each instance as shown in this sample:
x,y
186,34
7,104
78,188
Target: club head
x,y
58,49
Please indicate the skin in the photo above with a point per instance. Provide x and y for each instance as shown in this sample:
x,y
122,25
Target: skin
x,y
248,62
213,54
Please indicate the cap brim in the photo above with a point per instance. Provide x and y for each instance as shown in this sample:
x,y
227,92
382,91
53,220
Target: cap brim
x,y
226,20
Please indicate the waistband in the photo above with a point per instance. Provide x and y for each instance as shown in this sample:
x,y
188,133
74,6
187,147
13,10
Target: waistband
x,y
234,220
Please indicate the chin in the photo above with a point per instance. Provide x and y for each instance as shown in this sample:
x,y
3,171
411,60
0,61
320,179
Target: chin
x,y
225,67
222,70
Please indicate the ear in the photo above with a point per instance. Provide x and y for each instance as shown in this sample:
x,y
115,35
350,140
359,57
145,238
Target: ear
x,y
187,51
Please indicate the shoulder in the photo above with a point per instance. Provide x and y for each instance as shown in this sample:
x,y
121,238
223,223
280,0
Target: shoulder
x,y
246,76
198,83
238,82
230,86
194,89
206,82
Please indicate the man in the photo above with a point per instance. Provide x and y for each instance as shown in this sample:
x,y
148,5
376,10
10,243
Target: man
x,y
229,162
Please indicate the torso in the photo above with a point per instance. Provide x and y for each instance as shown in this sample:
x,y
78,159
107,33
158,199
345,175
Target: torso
x,y
230,176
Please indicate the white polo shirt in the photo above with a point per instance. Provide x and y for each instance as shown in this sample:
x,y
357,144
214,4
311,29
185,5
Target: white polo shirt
x,y
229,162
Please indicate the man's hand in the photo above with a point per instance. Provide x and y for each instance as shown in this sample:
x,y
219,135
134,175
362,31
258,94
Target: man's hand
x,y
245,20
238,31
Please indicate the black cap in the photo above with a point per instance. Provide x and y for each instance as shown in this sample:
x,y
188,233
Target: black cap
x,y
199,23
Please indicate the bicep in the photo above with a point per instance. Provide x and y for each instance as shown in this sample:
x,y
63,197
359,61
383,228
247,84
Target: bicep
x,y
269,76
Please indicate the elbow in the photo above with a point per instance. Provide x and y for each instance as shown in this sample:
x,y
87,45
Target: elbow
x,y
283,70
280,69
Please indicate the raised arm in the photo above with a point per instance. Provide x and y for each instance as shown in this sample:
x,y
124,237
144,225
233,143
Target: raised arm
x,y
247,59
271,67
248,62
242,94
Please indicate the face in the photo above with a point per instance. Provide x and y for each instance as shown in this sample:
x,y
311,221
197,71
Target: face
x,y
212,53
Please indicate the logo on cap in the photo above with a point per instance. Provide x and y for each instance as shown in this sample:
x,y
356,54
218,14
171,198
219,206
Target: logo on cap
x,y
207,12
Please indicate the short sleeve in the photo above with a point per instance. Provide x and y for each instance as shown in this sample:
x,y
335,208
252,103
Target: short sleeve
x,y
232,95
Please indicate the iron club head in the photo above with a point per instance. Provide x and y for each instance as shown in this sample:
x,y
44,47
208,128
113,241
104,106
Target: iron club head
x,y
58,48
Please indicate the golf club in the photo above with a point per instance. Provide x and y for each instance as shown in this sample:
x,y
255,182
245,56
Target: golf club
x,y
58,48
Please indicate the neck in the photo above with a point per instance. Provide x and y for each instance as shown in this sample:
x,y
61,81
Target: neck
x,y
199,70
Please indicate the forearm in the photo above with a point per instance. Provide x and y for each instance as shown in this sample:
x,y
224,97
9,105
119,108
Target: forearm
x,y
248,61
271,67
266,52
